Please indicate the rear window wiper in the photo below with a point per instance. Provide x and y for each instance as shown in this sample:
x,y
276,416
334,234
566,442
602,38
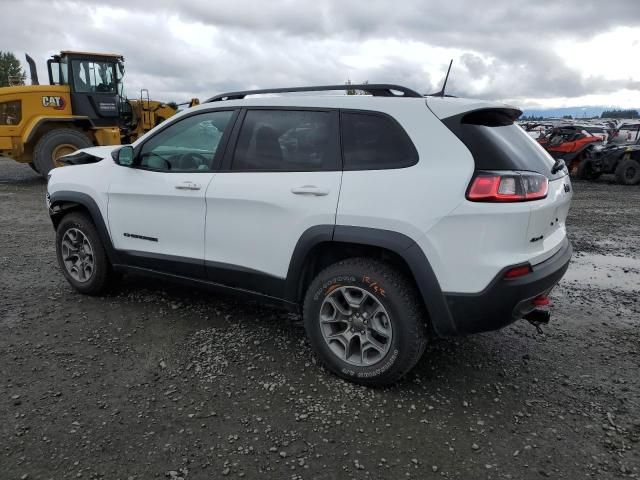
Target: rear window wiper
x,y
557,166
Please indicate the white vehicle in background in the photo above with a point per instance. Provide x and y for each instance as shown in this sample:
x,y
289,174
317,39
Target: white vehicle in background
x,y
382,218
599,131
627,132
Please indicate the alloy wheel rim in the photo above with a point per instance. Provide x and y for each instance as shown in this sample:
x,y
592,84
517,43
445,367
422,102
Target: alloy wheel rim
x,y
355,326
77,255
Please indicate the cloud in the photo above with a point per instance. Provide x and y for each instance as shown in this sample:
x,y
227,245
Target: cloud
x,y
510,50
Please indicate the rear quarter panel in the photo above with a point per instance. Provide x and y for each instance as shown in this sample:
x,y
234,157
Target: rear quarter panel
x,y
409,200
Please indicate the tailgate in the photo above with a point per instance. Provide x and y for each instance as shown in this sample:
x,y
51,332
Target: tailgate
x,y
547,220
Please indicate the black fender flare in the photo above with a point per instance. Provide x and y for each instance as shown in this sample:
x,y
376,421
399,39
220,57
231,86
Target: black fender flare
x,y
398,243
63,201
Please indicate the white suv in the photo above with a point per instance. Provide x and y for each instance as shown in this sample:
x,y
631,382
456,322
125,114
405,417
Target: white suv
x,y
383,218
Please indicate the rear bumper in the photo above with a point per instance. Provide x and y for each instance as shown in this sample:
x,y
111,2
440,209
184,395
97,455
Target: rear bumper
x,y
505,301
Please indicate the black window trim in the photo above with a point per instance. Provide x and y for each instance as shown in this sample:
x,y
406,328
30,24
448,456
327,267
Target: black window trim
x,y
220,151
223,159
227,163
393,120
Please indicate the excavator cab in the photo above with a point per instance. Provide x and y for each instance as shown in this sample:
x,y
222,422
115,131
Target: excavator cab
x,y
94,81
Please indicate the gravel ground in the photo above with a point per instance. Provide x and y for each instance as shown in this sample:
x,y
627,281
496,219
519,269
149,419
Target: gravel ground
x,y
162,381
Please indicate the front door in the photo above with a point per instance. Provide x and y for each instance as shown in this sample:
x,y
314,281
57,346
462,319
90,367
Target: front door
x,y
157,207
283,178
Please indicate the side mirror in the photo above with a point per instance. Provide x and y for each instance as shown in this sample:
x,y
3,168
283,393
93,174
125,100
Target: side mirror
x,y
124,156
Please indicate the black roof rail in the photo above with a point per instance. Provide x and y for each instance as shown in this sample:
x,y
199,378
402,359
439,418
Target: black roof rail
x,y
375,89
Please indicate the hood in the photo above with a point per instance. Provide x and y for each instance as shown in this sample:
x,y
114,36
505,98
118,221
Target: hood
x,y
89,155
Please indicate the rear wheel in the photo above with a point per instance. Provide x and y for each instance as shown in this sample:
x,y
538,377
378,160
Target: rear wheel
x,y
365,321
628,172
55,144
81,254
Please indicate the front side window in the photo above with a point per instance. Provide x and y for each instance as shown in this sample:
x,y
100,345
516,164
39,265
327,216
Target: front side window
x,y
188,145
372,142
93,77
287,140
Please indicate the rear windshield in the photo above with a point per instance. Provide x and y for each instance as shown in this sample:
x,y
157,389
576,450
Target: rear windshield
x,y
497,143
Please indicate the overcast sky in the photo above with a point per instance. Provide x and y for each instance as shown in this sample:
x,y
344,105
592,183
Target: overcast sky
x,y
529,53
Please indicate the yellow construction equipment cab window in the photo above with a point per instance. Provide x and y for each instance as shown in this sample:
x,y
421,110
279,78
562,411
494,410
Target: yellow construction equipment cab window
x,y
93,76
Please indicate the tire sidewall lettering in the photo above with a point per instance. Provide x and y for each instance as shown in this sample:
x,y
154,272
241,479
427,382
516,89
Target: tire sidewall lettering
x,y
375,285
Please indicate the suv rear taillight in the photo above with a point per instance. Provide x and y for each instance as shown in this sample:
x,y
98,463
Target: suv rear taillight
x,y
507,187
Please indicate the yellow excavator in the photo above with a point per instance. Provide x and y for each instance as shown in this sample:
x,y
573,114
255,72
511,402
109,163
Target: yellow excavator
x,y
83,105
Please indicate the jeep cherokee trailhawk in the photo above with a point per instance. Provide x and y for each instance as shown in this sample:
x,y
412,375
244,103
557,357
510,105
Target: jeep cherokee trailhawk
x,y
383,218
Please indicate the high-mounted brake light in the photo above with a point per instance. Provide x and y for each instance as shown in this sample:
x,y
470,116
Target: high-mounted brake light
x,y
507,187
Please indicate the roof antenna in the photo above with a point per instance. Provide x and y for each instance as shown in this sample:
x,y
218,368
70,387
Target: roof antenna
x,y
444,85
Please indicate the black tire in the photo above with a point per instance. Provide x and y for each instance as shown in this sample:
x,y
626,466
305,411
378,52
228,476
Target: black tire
x,y
43,153
102,273
628,171
405,314
33,167
586,171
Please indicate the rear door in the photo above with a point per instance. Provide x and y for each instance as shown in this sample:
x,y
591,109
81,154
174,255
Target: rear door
x,y
157,207
282,178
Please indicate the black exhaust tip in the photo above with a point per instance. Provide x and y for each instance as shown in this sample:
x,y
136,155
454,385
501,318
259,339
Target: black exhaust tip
x,y
538,316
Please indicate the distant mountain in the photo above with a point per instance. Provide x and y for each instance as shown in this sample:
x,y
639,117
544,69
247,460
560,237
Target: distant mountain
x,y
576,112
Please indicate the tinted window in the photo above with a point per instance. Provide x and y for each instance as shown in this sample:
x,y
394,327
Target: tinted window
x,y
189,145
372,142
500,145
292,140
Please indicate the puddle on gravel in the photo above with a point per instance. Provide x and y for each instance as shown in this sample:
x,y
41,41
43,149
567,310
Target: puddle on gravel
x,y
605,271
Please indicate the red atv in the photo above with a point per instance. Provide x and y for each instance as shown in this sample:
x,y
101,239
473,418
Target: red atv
x,y
570,143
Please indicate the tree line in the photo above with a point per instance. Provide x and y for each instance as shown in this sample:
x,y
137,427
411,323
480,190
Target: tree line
x,y
620,114
11,72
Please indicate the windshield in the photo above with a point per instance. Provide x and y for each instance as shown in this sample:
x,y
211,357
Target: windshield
x,y
93,76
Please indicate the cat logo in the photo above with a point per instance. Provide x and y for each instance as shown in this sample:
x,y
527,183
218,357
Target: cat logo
x,y
57,103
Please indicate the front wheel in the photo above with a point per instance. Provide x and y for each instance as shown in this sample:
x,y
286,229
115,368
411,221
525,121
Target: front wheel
x,y
586,171
81,255
365,321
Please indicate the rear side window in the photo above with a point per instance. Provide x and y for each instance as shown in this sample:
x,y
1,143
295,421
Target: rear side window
x,y
497,143
372,141
287,140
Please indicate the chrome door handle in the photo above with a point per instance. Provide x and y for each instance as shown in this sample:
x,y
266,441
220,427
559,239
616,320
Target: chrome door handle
x,y
188,186
310,190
